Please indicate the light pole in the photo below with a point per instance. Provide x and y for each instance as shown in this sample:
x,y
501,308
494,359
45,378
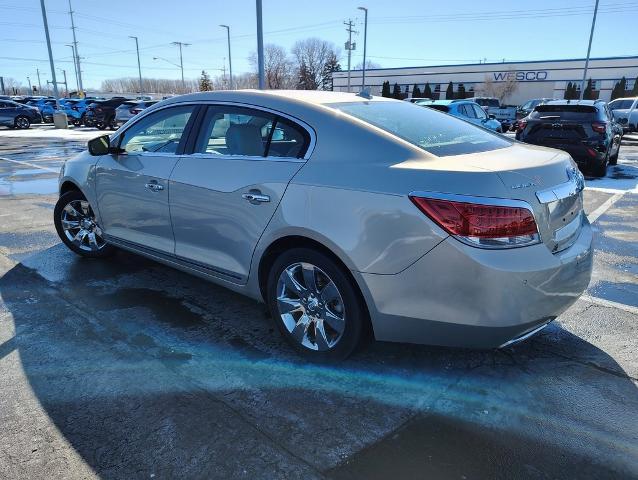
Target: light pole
x,y
139,65
75,66
30,89
181,60
37,70
58,115
591,36
365,38
260,47
230,62
77,55
66,86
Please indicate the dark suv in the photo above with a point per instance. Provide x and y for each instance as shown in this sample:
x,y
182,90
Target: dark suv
x,y
101,113
583,128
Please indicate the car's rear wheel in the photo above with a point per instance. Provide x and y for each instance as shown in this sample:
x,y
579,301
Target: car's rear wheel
x,y
315,304
600,169
613,160
22,122
76,122
77,227
101,125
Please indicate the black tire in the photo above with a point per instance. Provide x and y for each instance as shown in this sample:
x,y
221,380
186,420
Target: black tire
x,y
21,122
613,160
76,122
63,201
600,170
101,126
355,314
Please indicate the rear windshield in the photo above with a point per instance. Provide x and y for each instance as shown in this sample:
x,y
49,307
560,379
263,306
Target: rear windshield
x,y
434,132
621,104
487,102
440,108
564,112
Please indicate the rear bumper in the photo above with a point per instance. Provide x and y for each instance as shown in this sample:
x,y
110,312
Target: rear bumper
x,y
462,296
585,155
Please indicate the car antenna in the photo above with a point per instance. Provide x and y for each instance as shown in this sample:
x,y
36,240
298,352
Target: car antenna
x,y
365,93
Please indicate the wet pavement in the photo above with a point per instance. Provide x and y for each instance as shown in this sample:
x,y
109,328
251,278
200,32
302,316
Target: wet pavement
x,y
129,369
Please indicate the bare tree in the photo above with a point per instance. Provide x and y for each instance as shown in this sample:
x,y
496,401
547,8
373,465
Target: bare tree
x,y
500,90
312,55
369,65
278,67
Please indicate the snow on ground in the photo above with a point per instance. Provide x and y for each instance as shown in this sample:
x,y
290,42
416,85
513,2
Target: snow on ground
x,y
48,131
620,178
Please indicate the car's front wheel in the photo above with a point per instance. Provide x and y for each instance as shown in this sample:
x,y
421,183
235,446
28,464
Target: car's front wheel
x,y
77,227
22,122
315,304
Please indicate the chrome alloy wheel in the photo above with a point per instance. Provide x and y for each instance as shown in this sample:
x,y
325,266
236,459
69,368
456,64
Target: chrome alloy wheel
x,y
22,122
80,227
310,306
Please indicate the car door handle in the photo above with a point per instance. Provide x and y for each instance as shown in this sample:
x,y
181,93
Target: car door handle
x,y
154,186
255,197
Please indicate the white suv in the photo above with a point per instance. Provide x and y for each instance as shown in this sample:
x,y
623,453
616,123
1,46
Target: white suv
x,y
625,111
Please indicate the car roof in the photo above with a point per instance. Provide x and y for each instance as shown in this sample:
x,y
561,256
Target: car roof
x,y
575,102
624,98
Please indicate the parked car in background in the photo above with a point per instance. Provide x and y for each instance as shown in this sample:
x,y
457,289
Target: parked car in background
x,y
418,100
47,107
467,110
487,102
16,115
101,113
129,109
585,129
625,111
328,207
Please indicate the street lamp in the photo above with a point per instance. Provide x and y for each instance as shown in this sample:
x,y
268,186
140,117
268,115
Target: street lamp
x,y
365,38
260,47
591,36
230,62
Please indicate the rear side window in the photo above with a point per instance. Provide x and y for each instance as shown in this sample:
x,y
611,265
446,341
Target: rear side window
x,y
576,113
621,104
240,131
439,134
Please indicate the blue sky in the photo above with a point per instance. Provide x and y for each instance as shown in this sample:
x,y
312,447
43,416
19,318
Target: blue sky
x,y
399,34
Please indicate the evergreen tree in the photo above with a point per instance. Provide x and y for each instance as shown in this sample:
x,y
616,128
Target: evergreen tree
x,y
396,91
461,92
205,85
619,89
305,80
332,65
416,91
449,93
568,92
385,90
588,94
634,91
427,91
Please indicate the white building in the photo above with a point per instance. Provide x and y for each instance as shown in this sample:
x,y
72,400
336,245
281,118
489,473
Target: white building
x,y
533,79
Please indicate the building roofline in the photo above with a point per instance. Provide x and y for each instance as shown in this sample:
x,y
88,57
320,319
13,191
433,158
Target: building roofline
x,y
495,63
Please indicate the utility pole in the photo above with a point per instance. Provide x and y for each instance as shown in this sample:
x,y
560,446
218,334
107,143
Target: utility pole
x,y
59,117
349,45
591,36
260,47
181,61
230,61
30,89
77,54
365,41
75,66
37,70
66,86
139,65
4,92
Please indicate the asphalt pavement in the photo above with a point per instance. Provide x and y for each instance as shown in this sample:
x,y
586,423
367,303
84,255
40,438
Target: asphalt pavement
x,y
129,369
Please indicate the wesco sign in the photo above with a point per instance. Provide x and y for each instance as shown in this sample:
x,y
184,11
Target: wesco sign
x,y
530,76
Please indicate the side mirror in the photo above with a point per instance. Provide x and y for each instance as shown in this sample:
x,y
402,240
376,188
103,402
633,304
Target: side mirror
x,y
100,146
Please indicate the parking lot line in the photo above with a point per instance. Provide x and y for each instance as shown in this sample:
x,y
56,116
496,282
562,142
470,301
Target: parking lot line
x,y
609,303
31,165
593,216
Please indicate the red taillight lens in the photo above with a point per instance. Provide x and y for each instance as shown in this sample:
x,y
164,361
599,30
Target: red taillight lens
x,y
521,125
489,226
599,127
98,109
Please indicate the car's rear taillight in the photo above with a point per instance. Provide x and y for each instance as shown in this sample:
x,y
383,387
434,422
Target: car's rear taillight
x,y
135,111
98,109
599,127
487,225
521,125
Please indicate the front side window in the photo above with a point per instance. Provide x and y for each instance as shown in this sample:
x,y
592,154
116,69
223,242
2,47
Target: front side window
x,y
621,104
160,131
434,132
241,131
480,113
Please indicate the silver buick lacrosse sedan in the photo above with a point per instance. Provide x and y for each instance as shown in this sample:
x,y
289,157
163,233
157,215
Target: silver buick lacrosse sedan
x,y
343,213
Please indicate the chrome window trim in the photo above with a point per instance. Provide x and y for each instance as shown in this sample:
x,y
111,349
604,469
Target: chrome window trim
x,y
494,201
311,131
250,158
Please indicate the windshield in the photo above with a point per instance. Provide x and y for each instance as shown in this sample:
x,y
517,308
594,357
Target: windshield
x,y
433,131
620,104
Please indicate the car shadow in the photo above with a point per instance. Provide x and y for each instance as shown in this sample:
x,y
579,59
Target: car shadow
x,y
149,372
